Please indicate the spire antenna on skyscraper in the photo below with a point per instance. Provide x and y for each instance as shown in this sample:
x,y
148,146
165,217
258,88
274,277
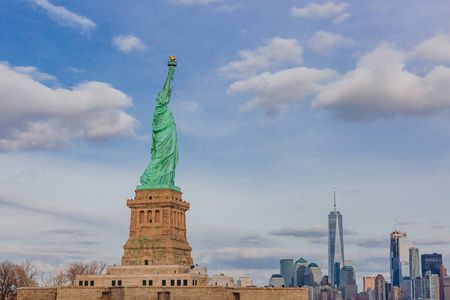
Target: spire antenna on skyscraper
x,y
335,200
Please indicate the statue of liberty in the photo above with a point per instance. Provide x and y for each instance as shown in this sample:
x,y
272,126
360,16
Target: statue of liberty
x,y
160,173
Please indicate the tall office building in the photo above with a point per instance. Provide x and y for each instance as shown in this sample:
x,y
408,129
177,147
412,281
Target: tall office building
x,y
431,262
446,287
396,293
348,282
380,288
432,286
442,275
414,267
399,257
299,270
407,288
419,288
287,271
312,275
369,283
335,245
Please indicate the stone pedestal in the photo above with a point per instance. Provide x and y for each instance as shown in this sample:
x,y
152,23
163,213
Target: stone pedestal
x,y
157,229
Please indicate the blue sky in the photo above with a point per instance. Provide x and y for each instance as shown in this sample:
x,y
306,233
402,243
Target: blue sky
x,y
276,103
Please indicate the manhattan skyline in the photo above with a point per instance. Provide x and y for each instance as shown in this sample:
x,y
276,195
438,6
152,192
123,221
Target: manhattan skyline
x,y
265,123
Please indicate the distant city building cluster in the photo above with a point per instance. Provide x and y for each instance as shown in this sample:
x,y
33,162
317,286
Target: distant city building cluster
x,y
412,276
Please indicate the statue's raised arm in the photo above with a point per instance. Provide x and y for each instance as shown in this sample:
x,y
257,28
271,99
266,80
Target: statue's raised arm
x,y
160,172
166,91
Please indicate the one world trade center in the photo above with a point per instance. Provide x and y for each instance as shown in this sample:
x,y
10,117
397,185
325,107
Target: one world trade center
x,y
335,245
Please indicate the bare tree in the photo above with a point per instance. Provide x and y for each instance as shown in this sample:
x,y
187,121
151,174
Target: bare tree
x,y
13,276
72,270
96,267
56,278
67,275
7,280
28,274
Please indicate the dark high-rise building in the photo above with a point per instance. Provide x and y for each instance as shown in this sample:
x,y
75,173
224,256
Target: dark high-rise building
x,y
335,245
324,281
287,271
407,288
348,282
299,270
399,257
312,275
419,288
431,262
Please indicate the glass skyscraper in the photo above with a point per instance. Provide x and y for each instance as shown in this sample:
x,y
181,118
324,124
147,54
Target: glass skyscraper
x,y
287,271
399,257
335,245
431,262
414,267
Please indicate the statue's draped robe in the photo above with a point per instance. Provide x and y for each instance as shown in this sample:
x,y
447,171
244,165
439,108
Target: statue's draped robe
x,y
161,170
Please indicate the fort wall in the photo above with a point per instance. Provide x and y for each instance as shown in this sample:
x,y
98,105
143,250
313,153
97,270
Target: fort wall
x,y
160,293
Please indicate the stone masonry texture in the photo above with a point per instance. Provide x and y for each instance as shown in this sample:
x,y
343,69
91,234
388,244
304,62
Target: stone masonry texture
x,y
159,293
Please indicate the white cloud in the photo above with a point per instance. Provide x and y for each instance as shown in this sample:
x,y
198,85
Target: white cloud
x,y
437,48
327,10
34,73
33,135
279,51
341,18
128,43
65,17
381,87
33,115
192,107
325,42
274,91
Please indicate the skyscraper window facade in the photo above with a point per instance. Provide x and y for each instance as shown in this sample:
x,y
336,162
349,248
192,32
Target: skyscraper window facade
x,y
399,257
369,283
414,261
299,271
348,282
431,262
335,245
380,288
287,271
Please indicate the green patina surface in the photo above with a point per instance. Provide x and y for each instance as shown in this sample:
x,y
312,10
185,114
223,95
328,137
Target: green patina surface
x,y
160,172
157,186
